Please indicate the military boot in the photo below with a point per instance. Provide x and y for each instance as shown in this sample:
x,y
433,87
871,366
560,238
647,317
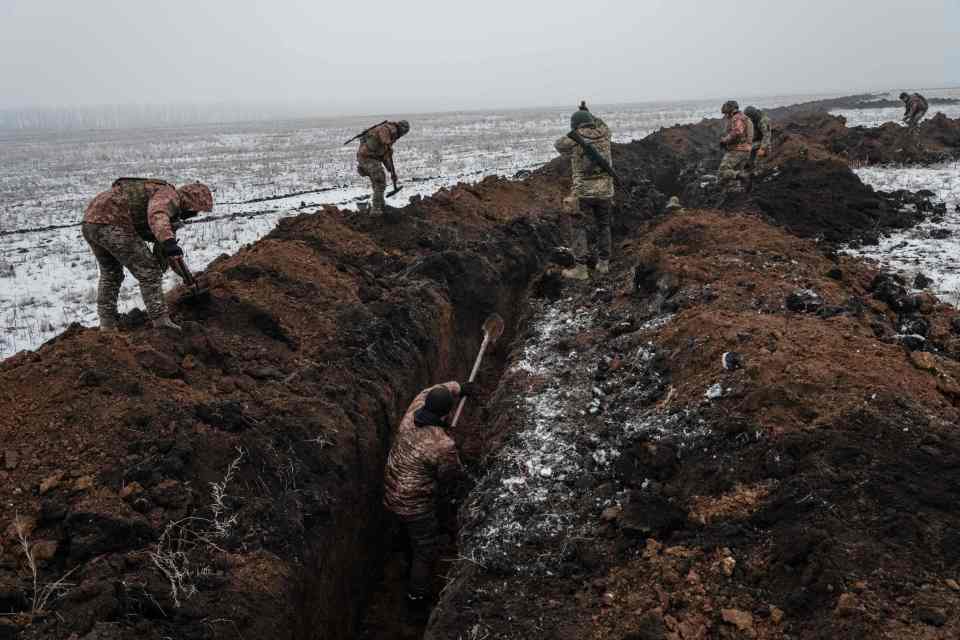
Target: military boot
x,y
166,323
578,272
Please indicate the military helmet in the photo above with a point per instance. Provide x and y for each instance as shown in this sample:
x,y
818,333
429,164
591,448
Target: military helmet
x,y
730,107
439,401
752,112
403,127
581,117
904,95
195,197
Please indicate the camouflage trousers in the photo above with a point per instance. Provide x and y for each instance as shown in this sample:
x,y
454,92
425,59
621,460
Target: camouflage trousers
x,y
115,248
373,169
424,534
576,236
734,164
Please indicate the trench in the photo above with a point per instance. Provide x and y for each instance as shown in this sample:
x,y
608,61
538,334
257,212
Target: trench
x,y
353,578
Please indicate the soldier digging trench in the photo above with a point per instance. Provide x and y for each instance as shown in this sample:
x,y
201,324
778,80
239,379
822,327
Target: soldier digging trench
x,y
422,459
762,138
737,143
118,223
375,153
915,107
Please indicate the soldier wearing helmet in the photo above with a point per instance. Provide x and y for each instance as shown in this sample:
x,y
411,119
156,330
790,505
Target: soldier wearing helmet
x,y
118,223
761,136
375,153
423,457
593,187
737,142
915,108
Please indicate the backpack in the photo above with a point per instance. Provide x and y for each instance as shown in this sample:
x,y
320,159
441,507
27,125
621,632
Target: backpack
x,y
757,133
134,190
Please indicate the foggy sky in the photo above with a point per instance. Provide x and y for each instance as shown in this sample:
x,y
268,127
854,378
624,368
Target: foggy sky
x,y
348,56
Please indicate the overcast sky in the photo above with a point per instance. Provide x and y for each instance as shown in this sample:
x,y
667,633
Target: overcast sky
x,y
349,56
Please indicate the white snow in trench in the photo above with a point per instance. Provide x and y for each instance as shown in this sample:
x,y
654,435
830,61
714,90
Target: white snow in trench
x,y
917,250
537,495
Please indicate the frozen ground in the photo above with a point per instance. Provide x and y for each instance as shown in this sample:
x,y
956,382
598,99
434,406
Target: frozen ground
x,y
932,247
265,170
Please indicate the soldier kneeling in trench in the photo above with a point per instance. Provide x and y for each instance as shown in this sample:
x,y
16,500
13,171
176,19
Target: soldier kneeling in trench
x,y
422,459
118,223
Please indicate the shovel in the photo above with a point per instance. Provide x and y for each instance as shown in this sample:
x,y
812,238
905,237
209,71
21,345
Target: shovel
x,y
492,330
395,191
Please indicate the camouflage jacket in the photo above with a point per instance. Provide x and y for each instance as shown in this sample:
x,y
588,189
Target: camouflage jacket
x,y
739,136
916,104
761,132
589,180
378,143
420,458
146,206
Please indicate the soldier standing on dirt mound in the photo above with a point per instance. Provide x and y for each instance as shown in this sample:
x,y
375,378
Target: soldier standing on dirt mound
x,y
593,185
375,153
423,457
738,143
761,136
915,108
118,223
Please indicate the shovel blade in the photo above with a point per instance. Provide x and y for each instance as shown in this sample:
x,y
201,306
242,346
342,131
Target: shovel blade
x,y
493,327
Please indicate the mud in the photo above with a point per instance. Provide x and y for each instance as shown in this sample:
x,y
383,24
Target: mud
x,y
226,482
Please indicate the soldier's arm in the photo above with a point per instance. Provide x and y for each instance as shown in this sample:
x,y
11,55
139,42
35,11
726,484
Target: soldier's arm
x,y
767,133
564,145
162,207
733,133
449,466
453,387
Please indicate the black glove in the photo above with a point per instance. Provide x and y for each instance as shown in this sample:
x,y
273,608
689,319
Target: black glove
x,y
469,390
171,248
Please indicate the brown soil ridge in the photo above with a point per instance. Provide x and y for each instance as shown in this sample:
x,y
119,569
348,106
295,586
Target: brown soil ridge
x,y
813,498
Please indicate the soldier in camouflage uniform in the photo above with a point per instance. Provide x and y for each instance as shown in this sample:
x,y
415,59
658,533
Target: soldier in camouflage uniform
x,y
738,143
118,223
375,153
422,458
915,108
593,187
761,136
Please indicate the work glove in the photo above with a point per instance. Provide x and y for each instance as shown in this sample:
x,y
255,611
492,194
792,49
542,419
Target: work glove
x,y
171,249
469,390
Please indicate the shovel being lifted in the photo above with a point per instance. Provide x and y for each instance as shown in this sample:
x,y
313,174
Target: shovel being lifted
x,y
492,330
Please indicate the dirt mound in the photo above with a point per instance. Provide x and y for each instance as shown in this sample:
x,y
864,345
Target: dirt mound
x,y
936,139
806,185
704,456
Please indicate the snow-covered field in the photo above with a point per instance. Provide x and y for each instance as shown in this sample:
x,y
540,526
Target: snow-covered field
x,y
931,248
266,170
